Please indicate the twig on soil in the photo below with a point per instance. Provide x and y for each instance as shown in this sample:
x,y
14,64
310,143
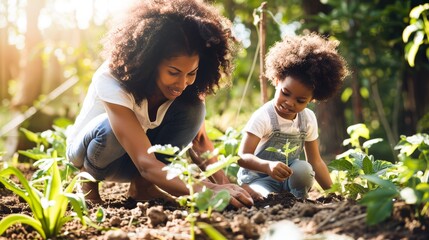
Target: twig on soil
x,y
328,218
341,223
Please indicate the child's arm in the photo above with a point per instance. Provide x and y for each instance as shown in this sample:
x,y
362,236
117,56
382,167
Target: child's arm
x,y
277,170
313,156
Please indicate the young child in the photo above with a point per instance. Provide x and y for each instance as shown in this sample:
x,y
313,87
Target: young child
x,y
302,69
160,60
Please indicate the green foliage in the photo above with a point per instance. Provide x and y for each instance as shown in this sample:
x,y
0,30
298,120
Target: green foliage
x,y
349,168
419,27
49,142
181,166
378,184
49,205
226,144
46,143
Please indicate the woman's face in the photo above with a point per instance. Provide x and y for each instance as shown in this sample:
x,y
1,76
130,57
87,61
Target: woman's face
x,y
175,74
291,97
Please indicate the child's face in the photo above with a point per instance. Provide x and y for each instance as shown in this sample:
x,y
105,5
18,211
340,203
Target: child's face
x,y
291,97
175,74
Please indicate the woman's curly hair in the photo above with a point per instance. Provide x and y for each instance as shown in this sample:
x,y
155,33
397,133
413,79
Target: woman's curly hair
x,y
154,30
312,59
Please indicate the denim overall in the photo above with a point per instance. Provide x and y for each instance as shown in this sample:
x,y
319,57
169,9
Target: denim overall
x,y
277,140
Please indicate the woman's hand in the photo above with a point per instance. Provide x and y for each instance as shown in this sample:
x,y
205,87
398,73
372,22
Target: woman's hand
x,y
278,170
239,196
255,195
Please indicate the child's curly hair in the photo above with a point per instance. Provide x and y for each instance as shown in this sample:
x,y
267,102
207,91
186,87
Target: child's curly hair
x,y
310,58
155,30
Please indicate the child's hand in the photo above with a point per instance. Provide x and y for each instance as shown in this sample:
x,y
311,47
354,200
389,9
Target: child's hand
x,y
279,171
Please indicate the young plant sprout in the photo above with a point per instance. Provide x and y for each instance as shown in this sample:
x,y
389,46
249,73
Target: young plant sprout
x,y
181,166
285,151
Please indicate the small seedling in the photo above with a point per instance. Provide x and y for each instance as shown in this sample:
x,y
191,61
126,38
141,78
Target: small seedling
x,y
181,166
285,151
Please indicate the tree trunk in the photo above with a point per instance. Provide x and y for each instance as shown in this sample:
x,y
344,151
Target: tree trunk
x,y
30,81
330,114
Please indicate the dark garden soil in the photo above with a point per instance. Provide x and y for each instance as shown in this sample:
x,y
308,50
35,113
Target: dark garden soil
x,y
315,218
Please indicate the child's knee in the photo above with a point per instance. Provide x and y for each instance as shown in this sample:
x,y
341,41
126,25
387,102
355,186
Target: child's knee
x,y
303,175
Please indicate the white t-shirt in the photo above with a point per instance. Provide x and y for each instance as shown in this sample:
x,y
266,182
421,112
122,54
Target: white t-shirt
x,y
260,125
106,88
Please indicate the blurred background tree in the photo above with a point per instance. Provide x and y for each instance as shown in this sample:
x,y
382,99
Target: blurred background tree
x,y
49,50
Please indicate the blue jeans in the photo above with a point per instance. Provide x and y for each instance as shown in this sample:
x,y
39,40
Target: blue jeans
x,y
105,159
299,183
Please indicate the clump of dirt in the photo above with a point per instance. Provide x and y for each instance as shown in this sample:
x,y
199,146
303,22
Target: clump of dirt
x,y
320,217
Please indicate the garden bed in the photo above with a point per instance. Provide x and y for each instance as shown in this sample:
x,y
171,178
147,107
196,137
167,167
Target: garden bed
x,y
318,217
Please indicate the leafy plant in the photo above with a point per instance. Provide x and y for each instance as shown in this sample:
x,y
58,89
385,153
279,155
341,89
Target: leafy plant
x,y
49,205
181,166
46,143
419,27
349,167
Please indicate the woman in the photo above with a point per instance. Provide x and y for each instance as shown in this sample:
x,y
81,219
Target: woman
x,y
160,62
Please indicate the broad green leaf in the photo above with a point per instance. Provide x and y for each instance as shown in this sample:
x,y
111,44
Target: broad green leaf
x,y
11,219
211,231
220,201
202,199
416,164
340,165
367,166
379,204
369,143
383,183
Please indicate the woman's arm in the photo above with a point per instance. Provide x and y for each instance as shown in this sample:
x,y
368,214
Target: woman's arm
x,y
313,156
200,145
134,140
276,169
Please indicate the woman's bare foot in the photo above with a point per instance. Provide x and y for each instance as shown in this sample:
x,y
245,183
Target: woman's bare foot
x,y
143,190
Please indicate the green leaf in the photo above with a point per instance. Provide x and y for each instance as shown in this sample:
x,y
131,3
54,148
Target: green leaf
x,y
164,149
211,231
11,219
31,136
100,215
220,201
379,204
367,166
340,165
383,183
355,190
416,164
202,199
369,143
222,162
408,31
416,11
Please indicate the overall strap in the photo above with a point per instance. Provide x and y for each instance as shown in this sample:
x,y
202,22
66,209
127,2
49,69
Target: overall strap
x,y
302,123
273,116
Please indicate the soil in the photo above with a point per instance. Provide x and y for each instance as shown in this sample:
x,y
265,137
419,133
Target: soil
x,y
280,216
